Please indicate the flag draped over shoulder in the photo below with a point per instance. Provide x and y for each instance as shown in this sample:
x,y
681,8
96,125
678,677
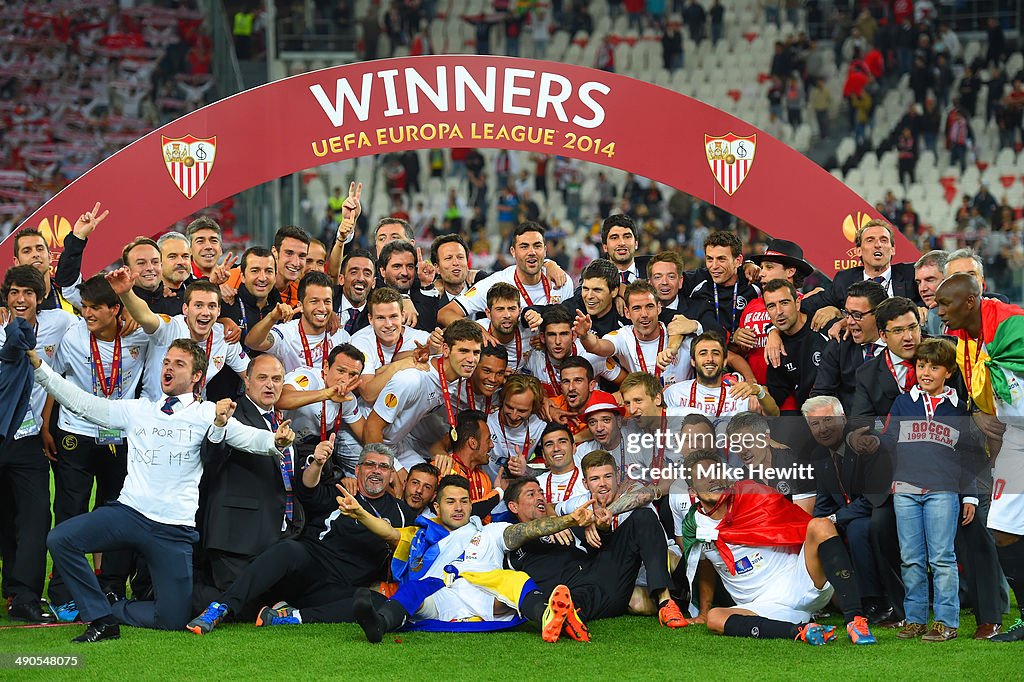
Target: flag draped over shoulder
x,y
417,549
757,516
1002,328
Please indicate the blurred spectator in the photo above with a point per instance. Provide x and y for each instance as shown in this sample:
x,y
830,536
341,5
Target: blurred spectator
x,y
605,194
717,16
996,51
984,201
906,154
958,137
370,25
821,105
931,122
242,31
970,84
771,11
996,87
605,57
776,92
861,105
942,79
672,48
540,22
866,25
695,18
948,43
794,102
921,80
635,12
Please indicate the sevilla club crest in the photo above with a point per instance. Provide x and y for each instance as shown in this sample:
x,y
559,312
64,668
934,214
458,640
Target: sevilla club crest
x,y
189,160
730,158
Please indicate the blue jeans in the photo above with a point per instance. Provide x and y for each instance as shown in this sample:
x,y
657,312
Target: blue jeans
x,y
926,525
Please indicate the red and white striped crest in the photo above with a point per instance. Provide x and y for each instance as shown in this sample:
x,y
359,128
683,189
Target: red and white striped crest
x,y
189,160
730,158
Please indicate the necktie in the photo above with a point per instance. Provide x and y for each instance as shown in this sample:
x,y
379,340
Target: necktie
x,y
869,351
625,277
911,375
351,322
169,404
286,470
878,280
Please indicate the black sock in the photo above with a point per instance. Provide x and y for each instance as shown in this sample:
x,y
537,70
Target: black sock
x,y
761,628
1011,559
532,605
839,571
393,615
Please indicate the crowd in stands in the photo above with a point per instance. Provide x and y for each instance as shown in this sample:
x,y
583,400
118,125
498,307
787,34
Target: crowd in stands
x,y
81,79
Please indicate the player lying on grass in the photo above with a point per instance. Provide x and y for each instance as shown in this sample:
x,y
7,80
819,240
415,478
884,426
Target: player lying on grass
x,y
778,564
449,571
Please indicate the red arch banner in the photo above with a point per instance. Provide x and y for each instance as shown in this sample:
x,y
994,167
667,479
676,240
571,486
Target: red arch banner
x,y
460,101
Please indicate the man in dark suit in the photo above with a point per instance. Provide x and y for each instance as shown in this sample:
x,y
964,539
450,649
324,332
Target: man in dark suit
x,y
837,374
619,237
246,501
875,242
848,489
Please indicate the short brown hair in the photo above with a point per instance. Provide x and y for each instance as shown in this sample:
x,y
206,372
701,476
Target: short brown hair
x,y
874,223
597,458
777,284
640,286
201,285
25,233
199,359
725,238
138,241
382,296
645,380
463,330
938,352
502,291
666,257
202,223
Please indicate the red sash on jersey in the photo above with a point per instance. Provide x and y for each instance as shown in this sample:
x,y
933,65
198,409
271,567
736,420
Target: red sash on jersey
x,y
522,290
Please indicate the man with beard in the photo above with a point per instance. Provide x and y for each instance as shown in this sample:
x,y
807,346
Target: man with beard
x,y
471,444
515,427
599,289
304,342
619,238
205,238
562,480
175,268
627,534
197,321
357,280
559,344
385,341
876,247
142,257
577,384
413,393
420,487
318,571
291,244
776,590
471,554
723,284
708,392
804,346
637,346
502,324
774,465
84,452
534,286
837,374
23,472
988,334
257,297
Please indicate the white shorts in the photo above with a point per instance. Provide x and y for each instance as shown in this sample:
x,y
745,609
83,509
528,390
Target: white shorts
x,y
1007,511
793,600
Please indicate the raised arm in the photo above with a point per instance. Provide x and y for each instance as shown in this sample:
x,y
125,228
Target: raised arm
x,y
97,410
350,210
592,343
517,535
259,337
349,506
122,281
636,497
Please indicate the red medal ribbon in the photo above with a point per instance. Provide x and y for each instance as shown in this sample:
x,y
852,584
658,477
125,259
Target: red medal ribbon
x,y
325,351
721,398
640,353
522,290
209,349
526,440
107,385
568,488
398,347
896,377
445,395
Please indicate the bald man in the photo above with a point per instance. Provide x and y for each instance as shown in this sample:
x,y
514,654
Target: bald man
x,y
989,334
246,503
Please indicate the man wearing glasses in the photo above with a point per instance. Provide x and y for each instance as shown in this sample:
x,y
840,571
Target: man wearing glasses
x,y
319,570
837,374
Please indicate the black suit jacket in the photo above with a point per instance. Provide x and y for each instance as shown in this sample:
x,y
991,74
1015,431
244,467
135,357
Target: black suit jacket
x,y
857,477
242,496
902,284
877,389
837,373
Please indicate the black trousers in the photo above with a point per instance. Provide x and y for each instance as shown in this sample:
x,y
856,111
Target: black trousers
x,y
603,589
296,570
886,544
981,577
857,534
25,477
80,462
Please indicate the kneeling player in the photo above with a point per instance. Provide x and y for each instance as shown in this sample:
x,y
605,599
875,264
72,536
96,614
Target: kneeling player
x,y
450,576
778,564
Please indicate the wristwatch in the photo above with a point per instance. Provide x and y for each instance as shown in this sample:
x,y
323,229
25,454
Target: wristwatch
x,y
761,393
832,518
